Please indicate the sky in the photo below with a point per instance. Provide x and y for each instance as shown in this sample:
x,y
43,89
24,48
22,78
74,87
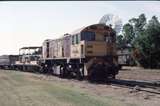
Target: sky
x,y
29,23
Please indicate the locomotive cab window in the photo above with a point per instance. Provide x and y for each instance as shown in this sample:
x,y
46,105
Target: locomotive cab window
x,y
88,36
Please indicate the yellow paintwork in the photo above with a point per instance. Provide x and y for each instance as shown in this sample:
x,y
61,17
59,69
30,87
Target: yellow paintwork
x,y
98,49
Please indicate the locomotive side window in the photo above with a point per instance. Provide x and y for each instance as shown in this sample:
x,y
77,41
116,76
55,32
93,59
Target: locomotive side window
x,y
47,49
72,40
88,36
113,34
77,38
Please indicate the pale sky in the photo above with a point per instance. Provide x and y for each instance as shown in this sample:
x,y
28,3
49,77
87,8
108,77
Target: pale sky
x,y
29,23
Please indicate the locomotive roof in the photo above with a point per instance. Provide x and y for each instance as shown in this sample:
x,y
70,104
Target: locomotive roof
x,y
77,31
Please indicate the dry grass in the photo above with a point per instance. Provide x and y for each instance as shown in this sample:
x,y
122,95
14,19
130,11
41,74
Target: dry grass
x,y
26,89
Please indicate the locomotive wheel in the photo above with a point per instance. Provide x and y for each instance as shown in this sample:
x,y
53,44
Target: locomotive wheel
x,y
97,73
41,70
112,71
45,69
62,72
78,75
50,70
91,76
113,76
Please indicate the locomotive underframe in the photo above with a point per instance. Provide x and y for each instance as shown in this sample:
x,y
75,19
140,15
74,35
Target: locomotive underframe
x,y
100,68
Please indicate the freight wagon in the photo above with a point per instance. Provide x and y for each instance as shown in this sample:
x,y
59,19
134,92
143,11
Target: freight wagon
x,y
8,61
28,59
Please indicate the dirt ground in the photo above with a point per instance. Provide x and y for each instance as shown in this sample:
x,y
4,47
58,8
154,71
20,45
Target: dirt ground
x,y
127,96
137,73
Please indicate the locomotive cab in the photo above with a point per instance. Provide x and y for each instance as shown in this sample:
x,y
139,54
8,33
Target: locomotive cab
x,y
95,40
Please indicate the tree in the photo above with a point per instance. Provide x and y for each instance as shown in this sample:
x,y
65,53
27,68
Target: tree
x,y
120,41
138,24
145,39
134,28
128,33
148,44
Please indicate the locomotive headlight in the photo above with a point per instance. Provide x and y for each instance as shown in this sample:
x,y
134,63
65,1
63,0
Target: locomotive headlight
x,y
89,49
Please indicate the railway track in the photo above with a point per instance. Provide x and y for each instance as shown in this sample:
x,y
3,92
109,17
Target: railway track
x,y
137,85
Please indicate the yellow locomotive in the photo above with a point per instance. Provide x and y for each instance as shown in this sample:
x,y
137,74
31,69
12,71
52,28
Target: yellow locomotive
x,y
89,51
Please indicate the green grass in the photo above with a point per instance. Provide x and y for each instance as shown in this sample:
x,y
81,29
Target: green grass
x,y
21,89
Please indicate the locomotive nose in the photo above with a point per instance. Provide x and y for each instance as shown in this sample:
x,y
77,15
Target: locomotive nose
x,y
101,69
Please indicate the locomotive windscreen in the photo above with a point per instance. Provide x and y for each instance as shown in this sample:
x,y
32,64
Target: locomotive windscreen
x,y
88,36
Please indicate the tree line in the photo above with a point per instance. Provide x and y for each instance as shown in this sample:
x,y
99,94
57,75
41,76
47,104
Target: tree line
x,y
144,38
